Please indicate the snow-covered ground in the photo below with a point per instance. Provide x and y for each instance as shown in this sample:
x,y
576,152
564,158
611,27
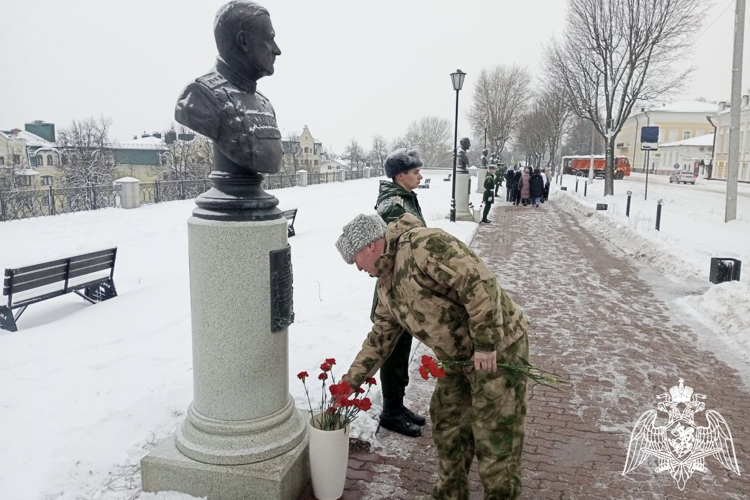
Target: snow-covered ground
x,y
86,389
692,230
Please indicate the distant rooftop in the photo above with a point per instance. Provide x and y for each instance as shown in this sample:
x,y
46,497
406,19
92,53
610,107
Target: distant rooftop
x,y
150,142
686,107
701,140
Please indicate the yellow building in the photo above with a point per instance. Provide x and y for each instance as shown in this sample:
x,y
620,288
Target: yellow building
x,y
304,150
678,121
721,156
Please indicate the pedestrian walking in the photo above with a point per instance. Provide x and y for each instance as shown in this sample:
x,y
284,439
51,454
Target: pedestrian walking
x,y
548,177
488,197
499,178
536,187
509,176
396,198
433,286
525,186
516,196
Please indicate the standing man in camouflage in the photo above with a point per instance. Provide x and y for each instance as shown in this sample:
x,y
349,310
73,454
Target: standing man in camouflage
x,y
489,193
433,286
396,198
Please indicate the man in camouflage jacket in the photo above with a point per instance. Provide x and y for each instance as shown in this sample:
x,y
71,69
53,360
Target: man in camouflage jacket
x,y
396,198
436,288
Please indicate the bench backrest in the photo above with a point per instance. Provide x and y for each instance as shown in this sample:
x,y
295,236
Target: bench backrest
x,y
290,214
58,277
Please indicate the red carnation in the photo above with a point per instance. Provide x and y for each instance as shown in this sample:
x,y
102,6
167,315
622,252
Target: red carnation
x,y
325,367
424,371
331,361
360,391
363,404
342,389
302,376
371,381
322,376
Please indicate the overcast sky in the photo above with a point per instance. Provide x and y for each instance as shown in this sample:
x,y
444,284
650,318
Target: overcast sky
x,y
347,69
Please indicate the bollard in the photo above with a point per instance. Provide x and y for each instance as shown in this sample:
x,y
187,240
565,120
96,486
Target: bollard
x,y
627,209
658,213
585,187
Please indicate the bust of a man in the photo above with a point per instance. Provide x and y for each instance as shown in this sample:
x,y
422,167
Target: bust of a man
x,y
463,156
484,158
225,106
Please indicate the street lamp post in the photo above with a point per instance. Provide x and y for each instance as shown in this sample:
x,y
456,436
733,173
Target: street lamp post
x,y
457,79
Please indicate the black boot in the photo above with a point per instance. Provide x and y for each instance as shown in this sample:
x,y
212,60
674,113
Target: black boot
x,y
414,417
394,418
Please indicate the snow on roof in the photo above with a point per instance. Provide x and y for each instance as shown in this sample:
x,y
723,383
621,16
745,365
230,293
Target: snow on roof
x,y
29,138
26,171
701,140
144,143
687,107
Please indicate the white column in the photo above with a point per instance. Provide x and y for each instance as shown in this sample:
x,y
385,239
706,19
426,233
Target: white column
x,y
462,197
341,175
129,192
473,171
367,172
302,178
481,174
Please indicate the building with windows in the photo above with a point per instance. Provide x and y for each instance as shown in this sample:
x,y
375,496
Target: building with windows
x,y
678,121
721,154
302,153
28,157
332,166
691,154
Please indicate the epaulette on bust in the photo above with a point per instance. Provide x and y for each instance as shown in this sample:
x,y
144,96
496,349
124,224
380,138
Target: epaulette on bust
x,y
212,80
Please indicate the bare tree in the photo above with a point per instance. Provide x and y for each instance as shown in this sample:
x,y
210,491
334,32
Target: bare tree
x,y
556,113
533,134
399,142
578,138
355,154
87,154
616,53
290,162
379,150
187,156
431,136
501,95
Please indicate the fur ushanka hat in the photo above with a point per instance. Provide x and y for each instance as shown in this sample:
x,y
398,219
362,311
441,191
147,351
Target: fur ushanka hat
x,y
401,160
357,234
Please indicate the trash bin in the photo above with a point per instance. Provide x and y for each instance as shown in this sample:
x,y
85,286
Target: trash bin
x,y
724,269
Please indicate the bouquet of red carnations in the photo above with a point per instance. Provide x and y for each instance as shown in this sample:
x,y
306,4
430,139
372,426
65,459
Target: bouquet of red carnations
x,y
343,405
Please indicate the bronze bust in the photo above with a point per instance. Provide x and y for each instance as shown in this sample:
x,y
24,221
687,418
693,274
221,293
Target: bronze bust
x,y
484,158
463,157
225,106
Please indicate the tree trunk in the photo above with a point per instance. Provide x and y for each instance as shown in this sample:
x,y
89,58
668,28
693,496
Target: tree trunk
x,y
609,171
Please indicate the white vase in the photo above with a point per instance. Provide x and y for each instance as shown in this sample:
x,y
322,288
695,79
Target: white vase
x,y
329,457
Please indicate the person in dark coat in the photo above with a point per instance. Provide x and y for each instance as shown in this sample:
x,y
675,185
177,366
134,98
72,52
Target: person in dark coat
x,y
509,176
516,194
524,186
536,187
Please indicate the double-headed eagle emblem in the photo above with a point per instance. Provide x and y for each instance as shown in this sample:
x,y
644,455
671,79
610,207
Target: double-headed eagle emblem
x,y
681,446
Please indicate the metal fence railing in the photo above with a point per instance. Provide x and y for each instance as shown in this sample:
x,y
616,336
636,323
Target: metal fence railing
x,y
24,204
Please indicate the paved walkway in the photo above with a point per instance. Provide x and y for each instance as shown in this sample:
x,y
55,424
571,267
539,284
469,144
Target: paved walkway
x,y
608,324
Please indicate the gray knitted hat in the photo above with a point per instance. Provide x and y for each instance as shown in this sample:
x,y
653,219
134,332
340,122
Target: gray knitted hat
x,y
357,234
401,160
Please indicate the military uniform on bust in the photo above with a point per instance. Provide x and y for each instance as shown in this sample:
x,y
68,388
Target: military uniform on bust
x,y
489,194
395,200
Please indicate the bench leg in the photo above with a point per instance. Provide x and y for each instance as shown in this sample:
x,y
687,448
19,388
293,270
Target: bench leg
x,y
289,231
101,292
7,321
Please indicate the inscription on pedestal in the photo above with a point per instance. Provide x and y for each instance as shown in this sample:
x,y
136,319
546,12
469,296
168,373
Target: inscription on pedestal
x,y
282,307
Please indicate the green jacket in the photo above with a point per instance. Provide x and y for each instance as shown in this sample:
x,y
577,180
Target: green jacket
x,y
434,287
489,188
395,201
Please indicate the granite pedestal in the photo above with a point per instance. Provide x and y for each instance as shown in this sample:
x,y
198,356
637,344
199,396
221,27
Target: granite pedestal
x,y
462,197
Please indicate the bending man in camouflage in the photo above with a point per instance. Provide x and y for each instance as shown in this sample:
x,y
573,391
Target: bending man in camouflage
x,y
434,287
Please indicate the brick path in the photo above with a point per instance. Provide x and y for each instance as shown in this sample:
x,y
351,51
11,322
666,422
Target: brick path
x,y
608,324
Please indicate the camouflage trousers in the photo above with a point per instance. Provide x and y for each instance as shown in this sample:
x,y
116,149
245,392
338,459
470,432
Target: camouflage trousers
x,y
483,414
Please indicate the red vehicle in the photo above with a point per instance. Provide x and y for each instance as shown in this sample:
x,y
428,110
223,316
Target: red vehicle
x,y
579,165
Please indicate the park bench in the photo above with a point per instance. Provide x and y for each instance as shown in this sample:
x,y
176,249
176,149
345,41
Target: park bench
x,y
448,178
425,185
91,272
290,215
